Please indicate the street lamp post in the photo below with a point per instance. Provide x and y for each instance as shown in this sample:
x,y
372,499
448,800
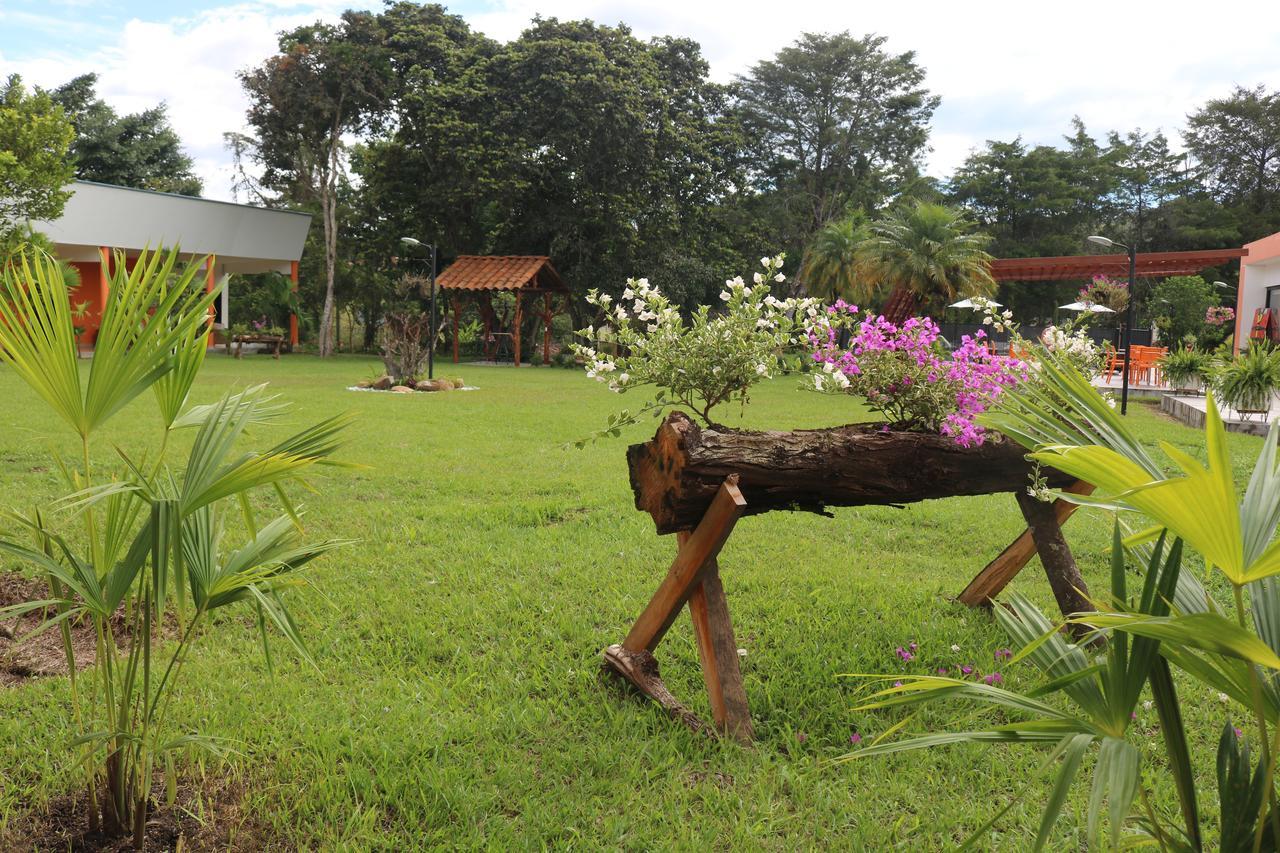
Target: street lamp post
x,y
1128,316
431,342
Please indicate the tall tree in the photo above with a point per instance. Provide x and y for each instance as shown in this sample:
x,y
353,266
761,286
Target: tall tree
x,y
1236,142
135,150
621,154
1148,176
327,82
34,166
926,255
838,123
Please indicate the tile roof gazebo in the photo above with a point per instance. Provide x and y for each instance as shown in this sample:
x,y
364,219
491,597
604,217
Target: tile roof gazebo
x,y
521,275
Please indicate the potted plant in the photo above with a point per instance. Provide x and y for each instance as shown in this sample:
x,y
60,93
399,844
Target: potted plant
x,y
1247,382
1185,370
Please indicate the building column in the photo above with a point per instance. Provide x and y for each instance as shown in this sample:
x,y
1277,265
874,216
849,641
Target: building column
x,y
104,285
293,317
210,267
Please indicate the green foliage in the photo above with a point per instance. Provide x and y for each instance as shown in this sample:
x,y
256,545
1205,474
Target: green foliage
x,y
928,251
1179,304
835,123
34,168
698,364
1249,381
136,150
1236,142
832,268
130,547
1185,368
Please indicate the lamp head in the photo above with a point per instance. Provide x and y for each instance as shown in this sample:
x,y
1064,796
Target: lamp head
x,y
411,241
1101,241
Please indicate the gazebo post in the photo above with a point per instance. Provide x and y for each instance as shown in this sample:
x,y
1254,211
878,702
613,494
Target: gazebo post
x,y
486,309
515,331
453,302
546,329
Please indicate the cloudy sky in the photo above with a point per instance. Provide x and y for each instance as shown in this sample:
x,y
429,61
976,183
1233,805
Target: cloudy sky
x,y
1002,68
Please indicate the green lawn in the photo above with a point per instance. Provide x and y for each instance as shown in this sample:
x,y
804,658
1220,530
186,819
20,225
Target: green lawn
x,y
459,700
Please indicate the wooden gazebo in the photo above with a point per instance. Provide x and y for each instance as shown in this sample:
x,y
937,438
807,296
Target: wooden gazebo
x,y
481,276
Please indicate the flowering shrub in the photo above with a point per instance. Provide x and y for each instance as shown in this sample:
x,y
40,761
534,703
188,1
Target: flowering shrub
x,y
1219,315
1106,292
903,373
700,363
1075,345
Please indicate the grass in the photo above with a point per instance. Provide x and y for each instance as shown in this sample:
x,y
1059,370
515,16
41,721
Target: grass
x,y
459,700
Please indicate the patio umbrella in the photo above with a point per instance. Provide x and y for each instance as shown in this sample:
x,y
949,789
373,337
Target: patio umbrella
x,y
969,303
1088,306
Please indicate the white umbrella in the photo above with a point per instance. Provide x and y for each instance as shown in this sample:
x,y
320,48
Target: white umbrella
x,y
1088,306
969,303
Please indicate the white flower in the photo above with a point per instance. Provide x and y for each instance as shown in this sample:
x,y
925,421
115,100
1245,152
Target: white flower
x,y
761,370
624,378
817,381
779,278
988,320
758,278
724,295
764,262
955,647
1147,705
628,294
605,299
1224,698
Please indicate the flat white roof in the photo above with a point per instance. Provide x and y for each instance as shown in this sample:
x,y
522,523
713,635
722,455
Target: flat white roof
x,y
132,219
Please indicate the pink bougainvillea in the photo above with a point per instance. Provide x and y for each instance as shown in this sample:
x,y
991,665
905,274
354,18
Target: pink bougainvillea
x,y
905,374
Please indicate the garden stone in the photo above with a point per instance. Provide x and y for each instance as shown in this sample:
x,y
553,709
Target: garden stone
x,y
382,383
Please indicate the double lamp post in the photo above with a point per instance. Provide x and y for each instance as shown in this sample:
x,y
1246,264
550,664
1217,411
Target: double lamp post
x,y
1128,315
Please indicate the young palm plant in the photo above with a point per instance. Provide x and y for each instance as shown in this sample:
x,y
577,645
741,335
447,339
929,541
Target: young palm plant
x,y
145,543
1174,623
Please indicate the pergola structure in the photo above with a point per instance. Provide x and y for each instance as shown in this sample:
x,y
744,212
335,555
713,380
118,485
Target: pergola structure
x,y
482,276
1151,264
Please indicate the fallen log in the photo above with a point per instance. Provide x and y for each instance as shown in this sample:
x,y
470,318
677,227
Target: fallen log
x,y
677,473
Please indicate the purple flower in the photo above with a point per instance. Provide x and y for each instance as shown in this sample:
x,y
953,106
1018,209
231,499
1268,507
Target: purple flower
x,y
904,654
1003,654
912,646
966,669
942,670
897,684
801,737
1239,734
993,678
855,738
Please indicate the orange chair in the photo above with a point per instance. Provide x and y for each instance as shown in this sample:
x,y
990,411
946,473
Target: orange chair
x,y
1113,361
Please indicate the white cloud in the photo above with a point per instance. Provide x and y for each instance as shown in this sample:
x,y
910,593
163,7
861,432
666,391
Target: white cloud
x,y
1002,68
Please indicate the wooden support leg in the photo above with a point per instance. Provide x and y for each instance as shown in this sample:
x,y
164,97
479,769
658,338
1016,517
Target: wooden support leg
x,y
1064,576
718,652
999,572
695,561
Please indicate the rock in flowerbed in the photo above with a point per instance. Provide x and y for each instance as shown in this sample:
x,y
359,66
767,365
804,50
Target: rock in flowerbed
x,y
386,383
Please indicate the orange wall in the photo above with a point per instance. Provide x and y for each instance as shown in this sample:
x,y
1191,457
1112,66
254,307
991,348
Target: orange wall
x,y
89,292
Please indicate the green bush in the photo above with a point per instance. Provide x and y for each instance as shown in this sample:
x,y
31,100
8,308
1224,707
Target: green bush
x,y
1185,368
1248,381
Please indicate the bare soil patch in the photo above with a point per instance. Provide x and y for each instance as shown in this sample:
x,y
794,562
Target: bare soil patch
x,y
207,815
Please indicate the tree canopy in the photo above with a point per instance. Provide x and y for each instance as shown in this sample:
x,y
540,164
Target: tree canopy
x,y
135,150
34,169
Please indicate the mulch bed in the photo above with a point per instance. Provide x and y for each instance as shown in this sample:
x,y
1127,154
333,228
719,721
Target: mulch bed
x,y
207,815
42,655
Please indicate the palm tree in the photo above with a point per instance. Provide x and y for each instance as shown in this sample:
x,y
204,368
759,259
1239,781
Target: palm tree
x,y
831,268
928,255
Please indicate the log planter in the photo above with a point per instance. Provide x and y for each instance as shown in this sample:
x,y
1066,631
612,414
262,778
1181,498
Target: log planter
x,y
697,482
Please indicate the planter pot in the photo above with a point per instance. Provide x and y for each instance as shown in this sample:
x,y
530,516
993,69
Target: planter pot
x,y
676,474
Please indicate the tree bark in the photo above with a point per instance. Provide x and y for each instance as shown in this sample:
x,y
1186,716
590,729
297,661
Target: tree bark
x,y
676,474
1055,555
